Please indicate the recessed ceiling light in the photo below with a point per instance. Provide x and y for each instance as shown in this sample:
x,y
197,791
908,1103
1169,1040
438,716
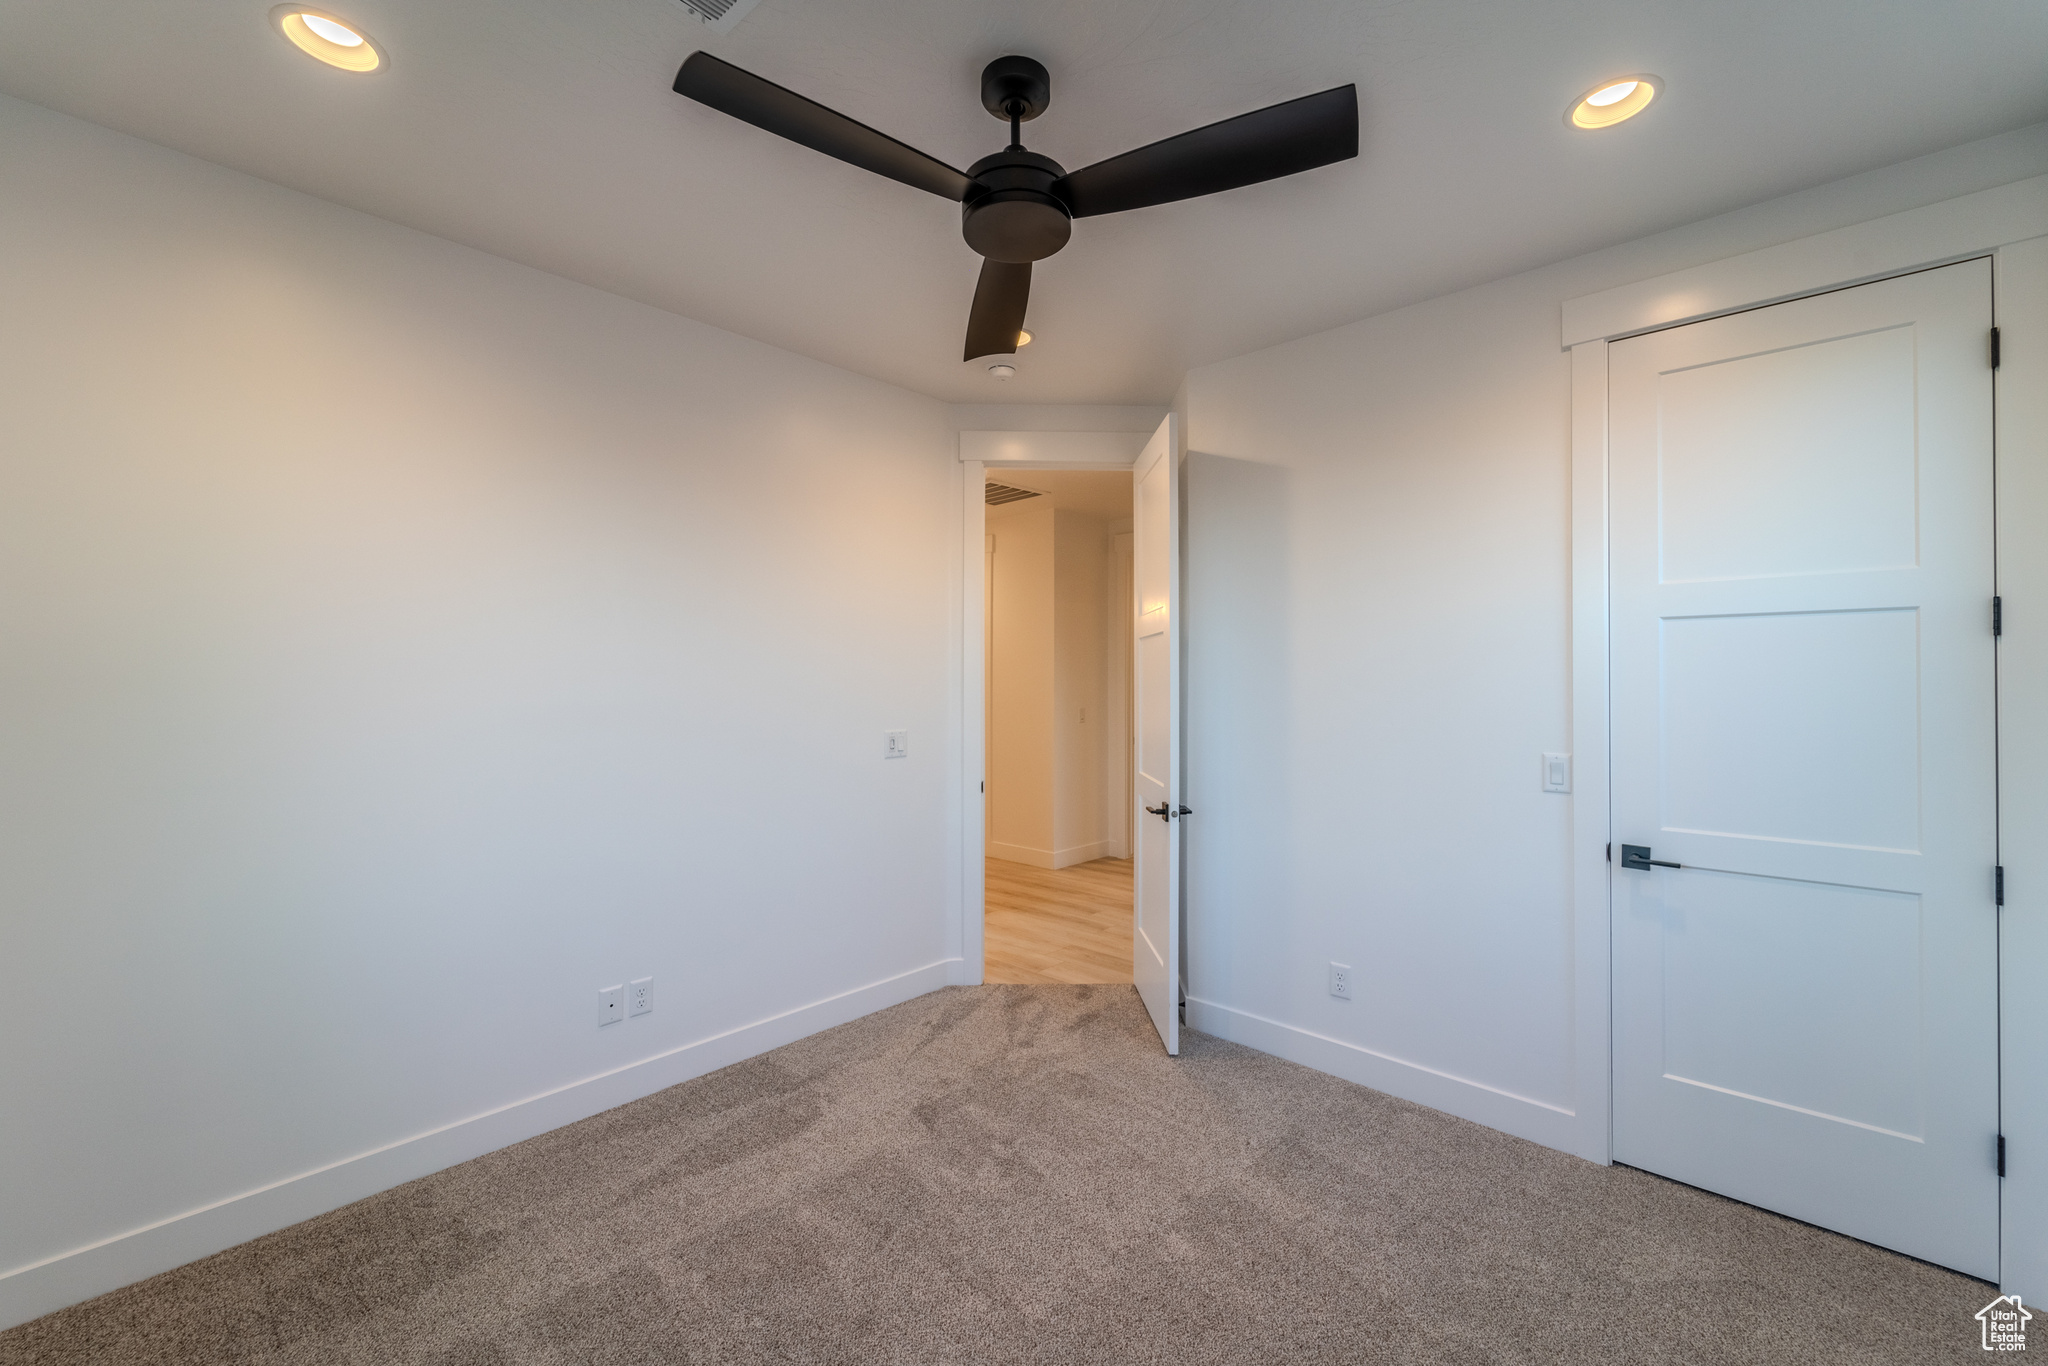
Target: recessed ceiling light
x,y
1002,371
1612,101
332,40
1023,340
341,33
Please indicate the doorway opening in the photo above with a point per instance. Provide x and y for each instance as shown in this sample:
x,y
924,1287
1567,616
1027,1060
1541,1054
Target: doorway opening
x,y
1057,656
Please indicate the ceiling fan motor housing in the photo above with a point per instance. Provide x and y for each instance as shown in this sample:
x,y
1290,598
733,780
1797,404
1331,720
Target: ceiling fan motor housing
x,y
1013,215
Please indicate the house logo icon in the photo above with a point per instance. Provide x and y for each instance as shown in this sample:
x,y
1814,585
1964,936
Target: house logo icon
x,y
2005,1324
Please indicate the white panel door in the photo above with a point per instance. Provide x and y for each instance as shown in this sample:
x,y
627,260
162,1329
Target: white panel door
x,y
1805,1011
1155,722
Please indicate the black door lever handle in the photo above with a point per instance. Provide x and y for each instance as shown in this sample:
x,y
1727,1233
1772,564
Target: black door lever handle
x,y
1163,811
1637,856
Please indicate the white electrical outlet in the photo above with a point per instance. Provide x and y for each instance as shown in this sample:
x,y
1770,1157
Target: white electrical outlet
x,y
895,744
611,1005
1557,773
640,996
1340,981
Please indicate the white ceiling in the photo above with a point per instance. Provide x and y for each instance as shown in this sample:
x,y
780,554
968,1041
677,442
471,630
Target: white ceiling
x,y
545,131
1098,493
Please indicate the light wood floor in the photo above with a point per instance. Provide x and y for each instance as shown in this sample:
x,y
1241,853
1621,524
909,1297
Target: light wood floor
x,y
1069,925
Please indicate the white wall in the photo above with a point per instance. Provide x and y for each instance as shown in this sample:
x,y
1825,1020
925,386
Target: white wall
x,y
1117,621
1021,752
1378,632
2021,291
396,645
1080,688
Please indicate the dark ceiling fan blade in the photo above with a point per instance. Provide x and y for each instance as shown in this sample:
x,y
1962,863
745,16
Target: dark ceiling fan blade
x,y
1265,144
785,113
998,316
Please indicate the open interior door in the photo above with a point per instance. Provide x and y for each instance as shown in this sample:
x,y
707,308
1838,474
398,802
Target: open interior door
x,y
1155,677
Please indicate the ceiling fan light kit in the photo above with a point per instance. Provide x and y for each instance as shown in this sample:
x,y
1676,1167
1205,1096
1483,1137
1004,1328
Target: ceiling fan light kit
x,y
1018,207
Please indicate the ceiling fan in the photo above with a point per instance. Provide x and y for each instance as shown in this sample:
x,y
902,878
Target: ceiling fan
x,y
1017,207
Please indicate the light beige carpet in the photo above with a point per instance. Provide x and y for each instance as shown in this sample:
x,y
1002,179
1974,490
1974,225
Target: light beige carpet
x,y
1019,1174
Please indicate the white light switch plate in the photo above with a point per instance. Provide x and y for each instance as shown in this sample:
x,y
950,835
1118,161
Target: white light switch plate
x,y
640,996
611,1005
1557,773
895,744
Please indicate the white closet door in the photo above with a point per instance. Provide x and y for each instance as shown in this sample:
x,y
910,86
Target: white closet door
x,y
1805,1012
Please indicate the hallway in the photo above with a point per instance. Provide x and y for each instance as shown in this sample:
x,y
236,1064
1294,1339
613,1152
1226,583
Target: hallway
x,y
1069,925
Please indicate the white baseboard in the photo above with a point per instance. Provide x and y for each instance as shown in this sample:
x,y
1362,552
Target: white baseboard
x,y
1080,853
1020,853
1051,858
1535,1120
39,1288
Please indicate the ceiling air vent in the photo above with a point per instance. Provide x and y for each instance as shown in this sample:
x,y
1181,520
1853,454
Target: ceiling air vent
x,y
1003,493
719,15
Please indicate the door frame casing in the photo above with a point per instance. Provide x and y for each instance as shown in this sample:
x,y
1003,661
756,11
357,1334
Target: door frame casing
x,y
1032,451
2009,225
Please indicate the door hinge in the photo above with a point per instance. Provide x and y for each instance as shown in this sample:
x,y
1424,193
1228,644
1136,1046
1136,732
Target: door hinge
x,y
1998,883
1610,853
1994,348
1997,616
2001,1154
